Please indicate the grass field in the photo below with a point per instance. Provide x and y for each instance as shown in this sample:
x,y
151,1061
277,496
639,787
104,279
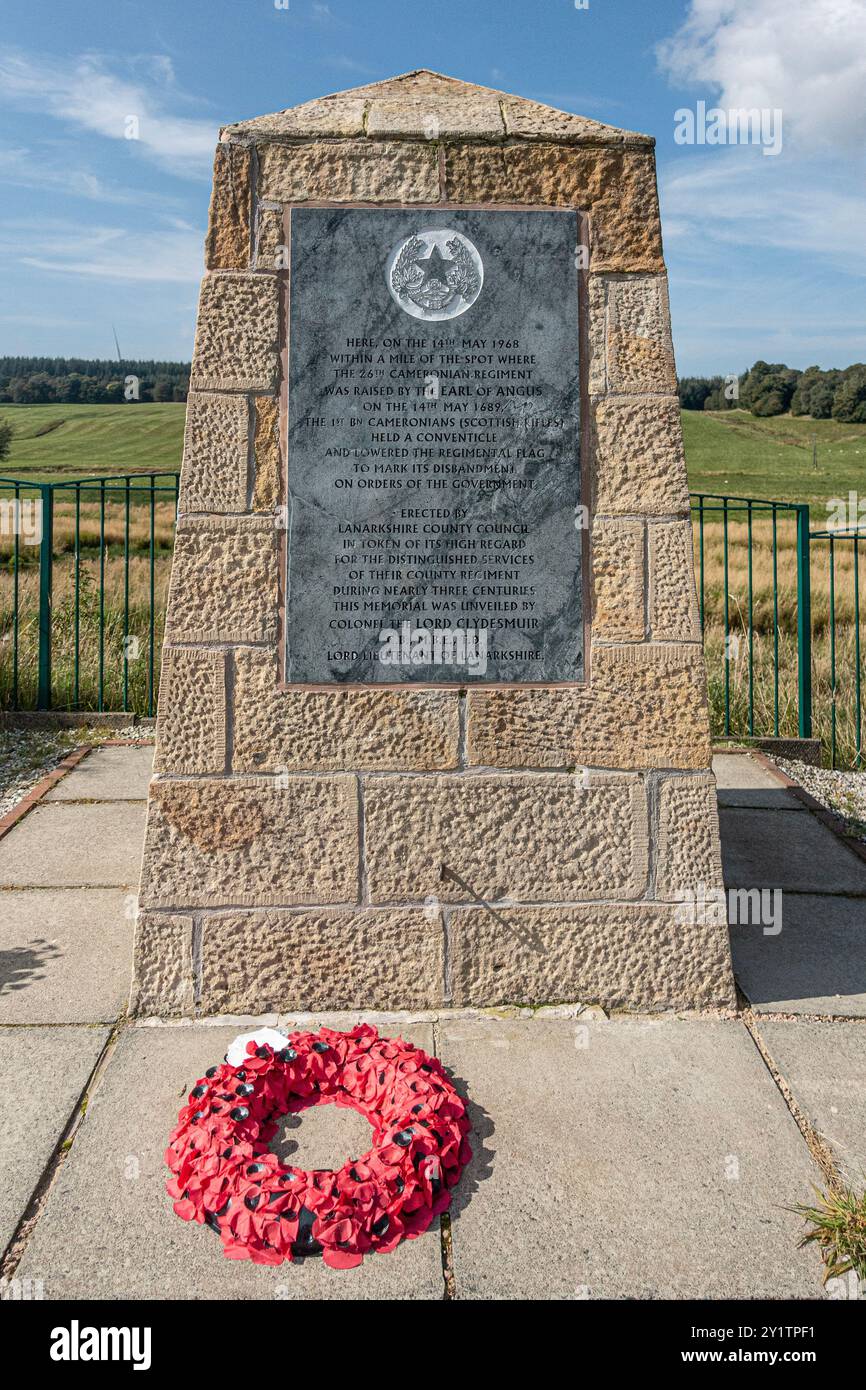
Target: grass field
x,y
53,441
737,453
733,453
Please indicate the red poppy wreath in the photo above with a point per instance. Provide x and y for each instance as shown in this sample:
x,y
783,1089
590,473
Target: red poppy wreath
x,y
226,1177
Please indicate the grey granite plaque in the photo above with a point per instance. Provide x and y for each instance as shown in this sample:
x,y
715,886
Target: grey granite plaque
x,y
434,529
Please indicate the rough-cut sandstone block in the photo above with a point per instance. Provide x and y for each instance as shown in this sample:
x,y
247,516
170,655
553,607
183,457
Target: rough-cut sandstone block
x,y
638,457
645,706
191,723
463,117
639,348
688,837
638,304
215,447
639,364
530,120
270,253
517,837
619,955
673,602
223,581
596,328
266,491
350,171
421,80
227,246
251,842
618,581
272,962
616,187
162,982
400,730
237,335
326,116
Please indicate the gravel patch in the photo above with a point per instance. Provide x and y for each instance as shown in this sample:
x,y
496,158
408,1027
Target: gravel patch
x,y
28,755
25,758
841,792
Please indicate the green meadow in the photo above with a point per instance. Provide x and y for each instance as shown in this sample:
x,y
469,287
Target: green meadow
x,y
731,452
67,441
739,454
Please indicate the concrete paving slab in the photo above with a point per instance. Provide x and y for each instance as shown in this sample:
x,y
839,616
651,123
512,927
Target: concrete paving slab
x,y
109,1231
816,964
740,770
784,849
65,955
43,1072
322,1137
108,774
60,846
626,1159
825,1066
740,781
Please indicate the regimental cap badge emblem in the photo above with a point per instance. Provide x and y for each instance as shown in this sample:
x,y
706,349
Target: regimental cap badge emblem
x,y
435,274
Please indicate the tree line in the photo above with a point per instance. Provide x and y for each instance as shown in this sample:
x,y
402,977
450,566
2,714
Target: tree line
x,y
771,388
767,388
86,381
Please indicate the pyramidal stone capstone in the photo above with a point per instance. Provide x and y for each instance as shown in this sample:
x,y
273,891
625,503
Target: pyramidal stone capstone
x,y
432,721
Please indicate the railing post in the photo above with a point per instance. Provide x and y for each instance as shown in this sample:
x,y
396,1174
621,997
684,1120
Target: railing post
x,y
46,570
804,623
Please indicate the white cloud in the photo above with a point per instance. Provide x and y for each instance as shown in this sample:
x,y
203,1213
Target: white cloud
x,y
22,167
88,95
736,197
807,57
765,260
172,256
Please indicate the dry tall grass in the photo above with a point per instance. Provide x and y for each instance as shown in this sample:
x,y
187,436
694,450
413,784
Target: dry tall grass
x,y
100,658
765,686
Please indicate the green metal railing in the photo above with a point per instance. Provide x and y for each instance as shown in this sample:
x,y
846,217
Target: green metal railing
x,y
836,540
719,510
84,565
808,680
83,527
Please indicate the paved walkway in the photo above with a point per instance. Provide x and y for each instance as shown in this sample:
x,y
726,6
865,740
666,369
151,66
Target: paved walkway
x,y
625,1158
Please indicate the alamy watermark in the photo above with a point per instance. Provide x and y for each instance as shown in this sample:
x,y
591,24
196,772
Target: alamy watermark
x,y
22,1290
846,513
22,516
739,125
77,1343
846,1286
445,646
749,907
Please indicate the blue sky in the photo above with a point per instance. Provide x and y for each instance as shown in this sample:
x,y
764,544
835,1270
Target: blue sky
x,y
767,255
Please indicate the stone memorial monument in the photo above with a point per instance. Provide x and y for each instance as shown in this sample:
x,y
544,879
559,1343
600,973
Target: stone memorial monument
x,y
432,722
